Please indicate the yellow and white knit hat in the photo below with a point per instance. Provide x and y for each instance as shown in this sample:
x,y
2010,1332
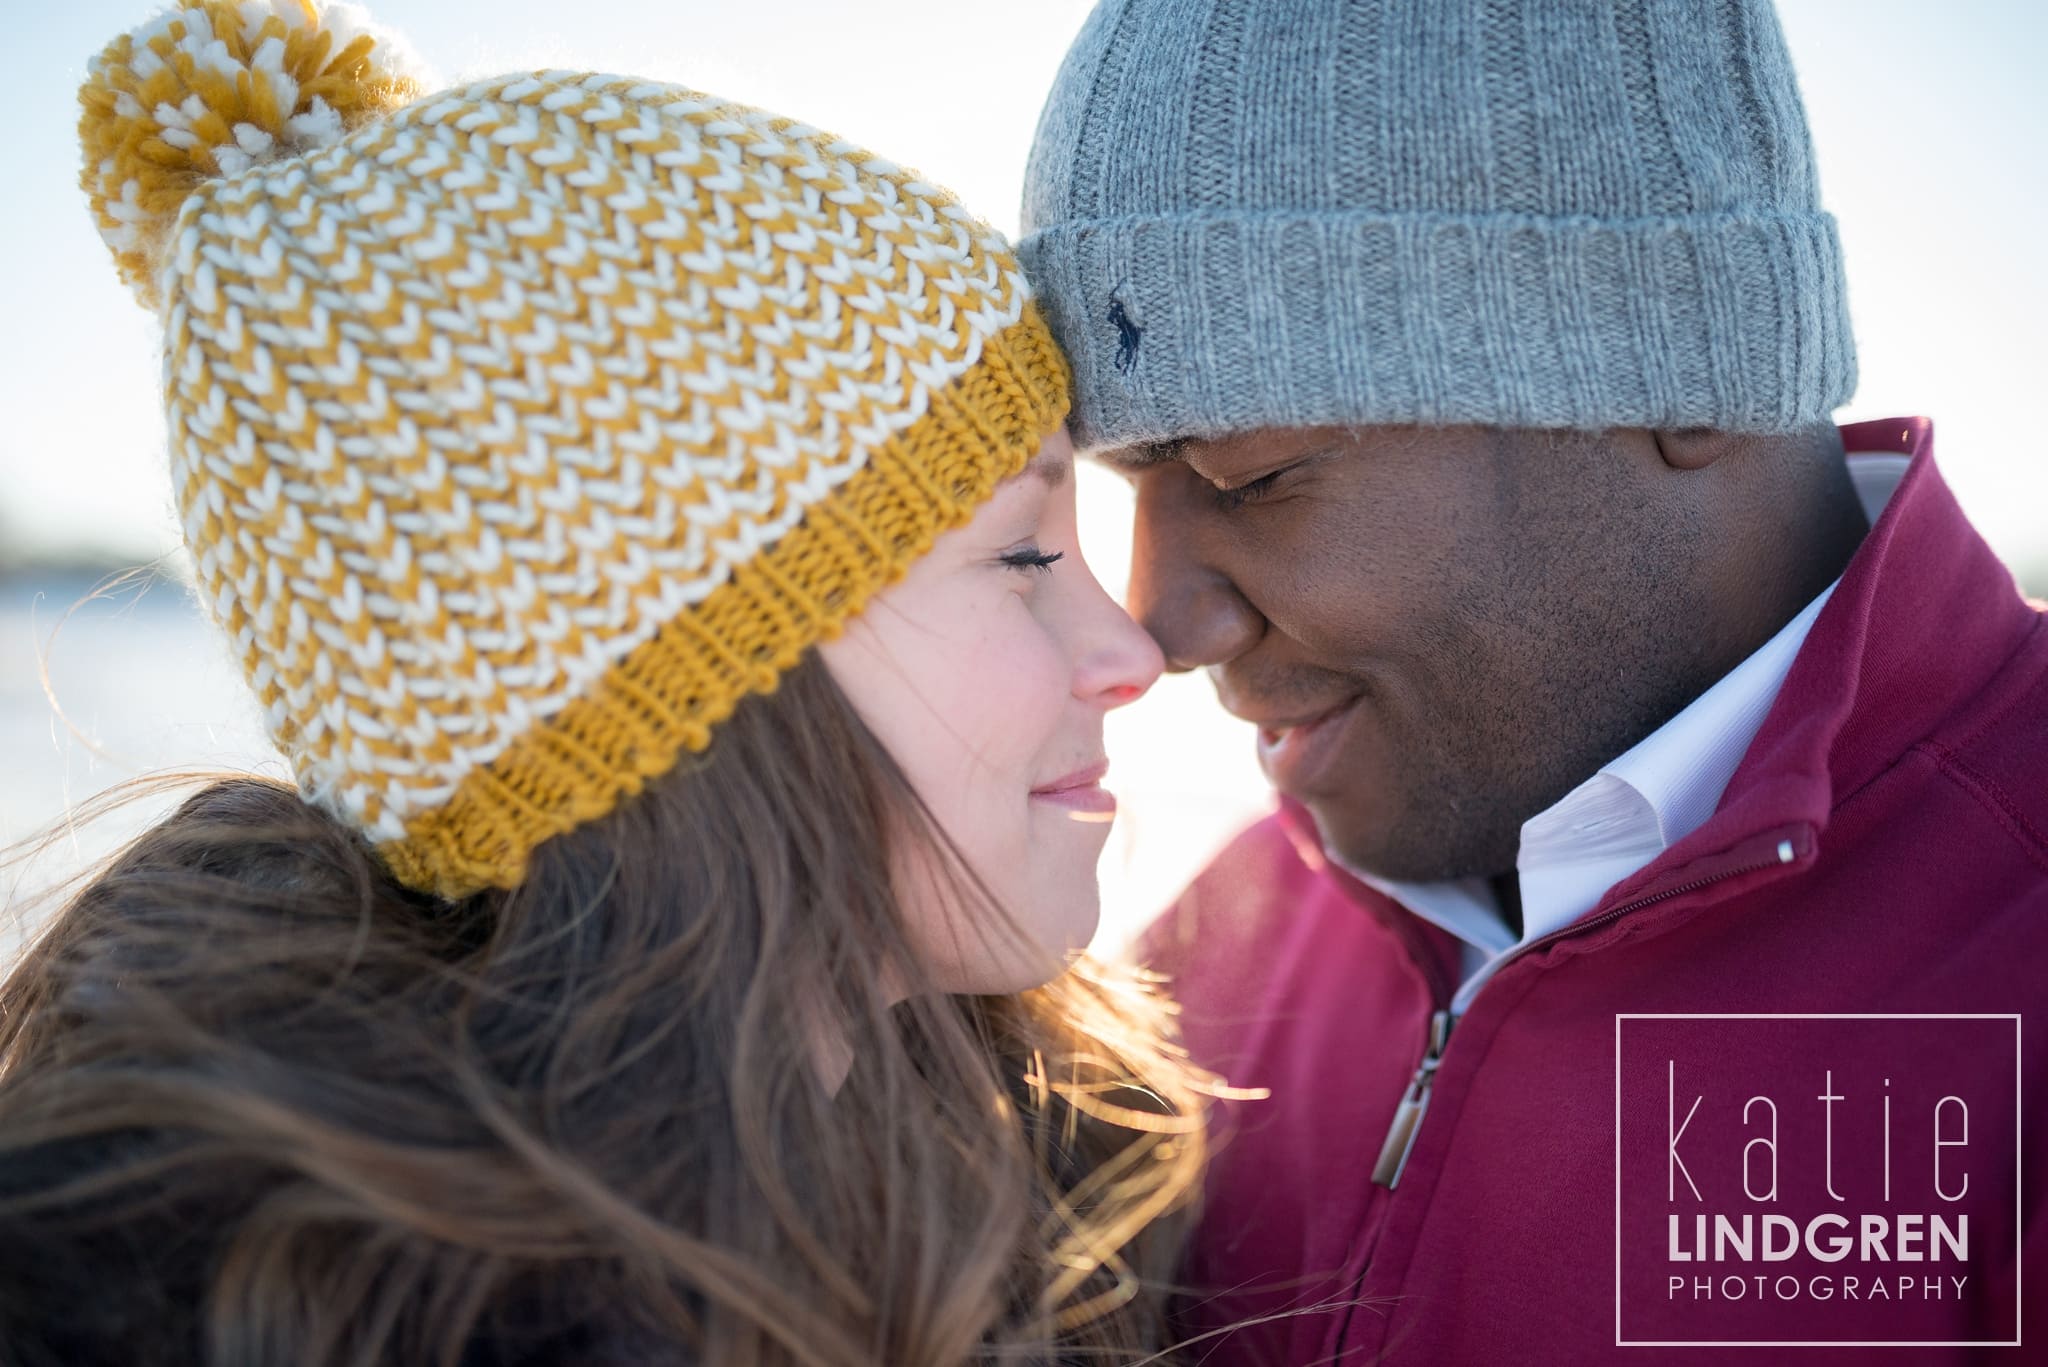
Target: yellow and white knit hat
x,y
520,431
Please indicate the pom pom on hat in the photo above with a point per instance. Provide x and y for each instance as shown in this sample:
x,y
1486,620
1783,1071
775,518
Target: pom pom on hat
x,y
212,88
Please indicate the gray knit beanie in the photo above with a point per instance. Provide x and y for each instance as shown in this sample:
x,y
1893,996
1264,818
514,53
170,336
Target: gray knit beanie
x,y
1517,213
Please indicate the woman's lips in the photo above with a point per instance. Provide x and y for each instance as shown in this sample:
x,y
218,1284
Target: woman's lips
x,y
1081,794
1296,756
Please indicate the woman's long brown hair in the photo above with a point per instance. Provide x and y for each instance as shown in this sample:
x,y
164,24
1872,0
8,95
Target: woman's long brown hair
x,y
261,1105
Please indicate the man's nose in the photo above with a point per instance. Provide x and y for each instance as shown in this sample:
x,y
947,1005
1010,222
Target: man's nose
x,y
1179,592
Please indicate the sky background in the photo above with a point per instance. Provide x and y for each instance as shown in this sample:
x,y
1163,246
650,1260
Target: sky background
x,y
1930,120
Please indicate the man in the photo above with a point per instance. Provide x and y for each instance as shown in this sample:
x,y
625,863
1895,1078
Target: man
x,y
1472,361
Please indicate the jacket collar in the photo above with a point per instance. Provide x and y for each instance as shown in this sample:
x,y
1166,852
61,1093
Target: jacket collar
x,y
1871,679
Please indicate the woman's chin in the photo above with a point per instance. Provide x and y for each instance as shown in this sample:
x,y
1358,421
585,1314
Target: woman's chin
x,y
1078,933
1052,953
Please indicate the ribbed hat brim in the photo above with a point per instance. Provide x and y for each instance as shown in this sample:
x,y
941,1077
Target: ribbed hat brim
x,y
1201,324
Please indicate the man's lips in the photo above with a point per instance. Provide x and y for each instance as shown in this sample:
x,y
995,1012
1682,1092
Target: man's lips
x,y
1273,726
1296,750
1081,793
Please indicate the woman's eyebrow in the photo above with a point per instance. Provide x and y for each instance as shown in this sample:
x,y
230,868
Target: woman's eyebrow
x,y
1052,467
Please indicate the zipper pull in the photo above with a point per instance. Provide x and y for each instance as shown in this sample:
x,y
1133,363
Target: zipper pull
x,y
1408,1115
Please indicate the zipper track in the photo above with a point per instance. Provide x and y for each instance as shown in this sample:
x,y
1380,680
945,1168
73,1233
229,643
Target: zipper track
x,y
1407,1121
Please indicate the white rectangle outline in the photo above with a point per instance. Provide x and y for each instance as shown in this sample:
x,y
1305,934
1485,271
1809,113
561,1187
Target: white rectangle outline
x,y
2018,1148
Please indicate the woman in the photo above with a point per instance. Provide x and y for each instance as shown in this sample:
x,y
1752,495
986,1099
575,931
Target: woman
x,y
646,525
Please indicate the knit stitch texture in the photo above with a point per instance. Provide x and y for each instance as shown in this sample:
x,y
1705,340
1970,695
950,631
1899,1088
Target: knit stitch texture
x,y
1542,213
522,430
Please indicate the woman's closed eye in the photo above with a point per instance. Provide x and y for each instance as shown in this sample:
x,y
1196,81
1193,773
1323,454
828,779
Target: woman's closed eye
x,y
1031,558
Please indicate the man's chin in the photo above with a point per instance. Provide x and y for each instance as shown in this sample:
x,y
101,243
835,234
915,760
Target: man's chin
x,y
1395,850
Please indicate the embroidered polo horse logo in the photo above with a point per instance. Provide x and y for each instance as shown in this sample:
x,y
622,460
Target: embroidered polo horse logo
x,y
1128,333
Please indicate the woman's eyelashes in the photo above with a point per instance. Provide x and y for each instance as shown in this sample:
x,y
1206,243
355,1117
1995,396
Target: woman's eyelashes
x,y
1031,558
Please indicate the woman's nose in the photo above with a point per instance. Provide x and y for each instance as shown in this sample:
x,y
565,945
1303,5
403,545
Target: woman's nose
x,y
1115,661
1125,663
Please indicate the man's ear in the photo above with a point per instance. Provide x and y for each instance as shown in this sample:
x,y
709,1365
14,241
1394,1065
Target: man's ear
x,y
1693,448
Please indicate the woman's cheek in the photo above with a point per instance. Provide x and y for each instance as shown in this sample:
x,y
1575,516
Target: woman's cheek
x,y
1028,683
1008,694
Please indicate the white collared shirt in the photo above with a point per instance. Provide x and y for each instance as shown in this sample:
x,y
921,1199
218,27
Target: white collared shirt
x,y
1637,806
